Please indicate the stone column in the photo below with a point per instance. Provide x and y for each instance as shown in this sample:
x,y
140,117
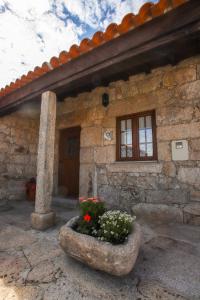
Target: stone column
x,y
44,217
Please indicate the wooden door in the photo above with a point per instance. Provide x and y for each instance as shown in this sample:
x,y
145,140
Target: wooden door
x,y
69,161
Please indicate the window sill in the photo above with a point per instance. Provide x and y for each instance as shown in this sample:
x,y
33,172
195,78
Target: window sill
x,y
135,161
152,166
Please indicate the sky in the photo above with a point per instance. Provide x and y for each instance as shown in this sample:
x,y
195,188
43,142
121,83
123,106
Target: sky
x,y
32,31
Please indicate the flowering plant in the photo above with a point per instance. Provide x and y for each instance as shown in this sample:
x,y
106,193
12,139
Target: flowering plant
x,y
111,226
115,226
91,210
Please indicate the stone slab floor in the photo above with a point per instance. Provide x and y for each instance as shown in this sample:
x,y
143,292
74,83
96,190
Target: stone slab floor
x,y
33,267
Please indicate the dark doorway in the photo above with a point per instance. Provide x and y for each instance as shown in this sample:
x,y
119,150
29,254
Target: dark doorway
x,y
69,162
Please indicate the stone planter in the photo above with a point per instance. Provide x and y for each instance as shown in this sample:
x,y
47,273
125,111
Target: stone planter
x,y
113,259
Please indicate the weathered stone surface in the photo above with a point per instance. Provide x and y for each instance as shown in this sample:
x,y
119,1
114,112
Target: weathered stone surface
x,y
195,195
174,115
45,162
137,167
142,182
192,214
72,119
160,213
13,237
95,113
113,259
138,77
42,273
169,196
91,136
28,292
105,154
17,160
172,91
117,197
190,176
86,178
162,97
42,221
14,267
44,249
167,247
86,155
169,169
198,71
154,290
179,76
138,103
189,90
4,205
195,149
149,84
178,132
169,256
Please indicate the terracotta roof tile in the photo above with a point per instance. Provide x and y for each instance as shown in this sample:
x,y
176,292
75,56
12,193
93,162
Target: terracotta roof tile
x,y
74,51
24,79
54,62
46,67
148,11
128,23
98,38
86,45
145,13
64,57
111,32
31,75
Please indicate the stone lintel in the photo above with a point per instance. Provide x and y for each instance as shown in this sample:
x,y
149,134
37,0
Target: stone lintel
x,y
42,221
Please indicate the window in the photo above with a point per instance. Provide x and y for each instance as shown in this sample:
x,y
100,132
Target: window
x,y
136,137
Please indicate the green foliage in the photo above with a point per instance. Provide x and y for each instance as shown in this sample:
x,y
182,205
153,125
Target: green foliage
x,y
110,226
115,226
92,207
91,210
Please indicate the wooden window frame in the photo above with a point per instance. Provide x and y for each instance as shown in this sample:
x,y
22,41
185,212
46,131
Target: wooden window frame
x,y
135,136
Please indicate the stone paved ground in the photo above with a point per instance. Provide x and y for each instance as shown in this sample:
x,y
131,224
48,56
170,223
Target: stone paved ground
x,y
33,267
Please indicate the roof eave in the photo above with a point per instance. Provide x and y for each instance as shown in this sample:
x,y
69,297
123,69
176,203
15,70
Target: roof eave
x,y
140,49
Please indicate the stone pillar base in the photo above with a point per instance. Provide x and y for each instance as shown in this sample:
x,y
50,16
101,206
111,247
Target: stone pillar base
x,y
42,221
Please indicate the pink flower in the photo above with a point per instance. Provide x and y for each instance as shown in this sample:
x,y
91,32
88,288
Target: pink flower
x,y
90,199
81,199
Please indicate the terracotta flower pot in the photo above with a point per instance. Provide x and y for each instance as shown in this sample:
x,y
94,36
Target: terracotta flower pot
x,y
30,190
31,195
113,259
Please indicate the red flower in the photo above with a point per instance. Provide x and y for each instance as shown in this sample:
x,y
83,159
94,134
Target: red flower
x,y
87,218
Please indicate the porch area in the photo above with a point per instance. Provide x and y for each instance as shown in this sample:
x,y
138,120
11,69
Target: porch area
x,y
34,267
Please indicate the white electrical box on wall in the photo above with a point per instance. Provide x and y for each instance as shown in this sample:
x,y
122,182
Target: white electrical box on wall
x,y
180,150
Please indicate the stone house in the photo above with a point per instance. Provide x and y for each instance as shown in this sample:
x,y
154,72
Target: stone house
x,y
117,116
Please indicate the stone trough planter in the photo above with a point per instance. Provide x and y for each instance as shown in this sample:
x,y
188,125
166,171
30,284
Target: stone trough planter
x,y
114,259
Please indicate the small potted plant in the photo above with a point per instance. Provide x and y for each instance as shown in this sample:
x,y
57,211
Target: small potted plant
x,y
106,240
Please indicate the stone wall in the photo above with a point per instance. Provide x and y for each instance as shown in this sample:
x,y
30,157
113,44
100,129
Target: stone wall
x,y
164,186
18,153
